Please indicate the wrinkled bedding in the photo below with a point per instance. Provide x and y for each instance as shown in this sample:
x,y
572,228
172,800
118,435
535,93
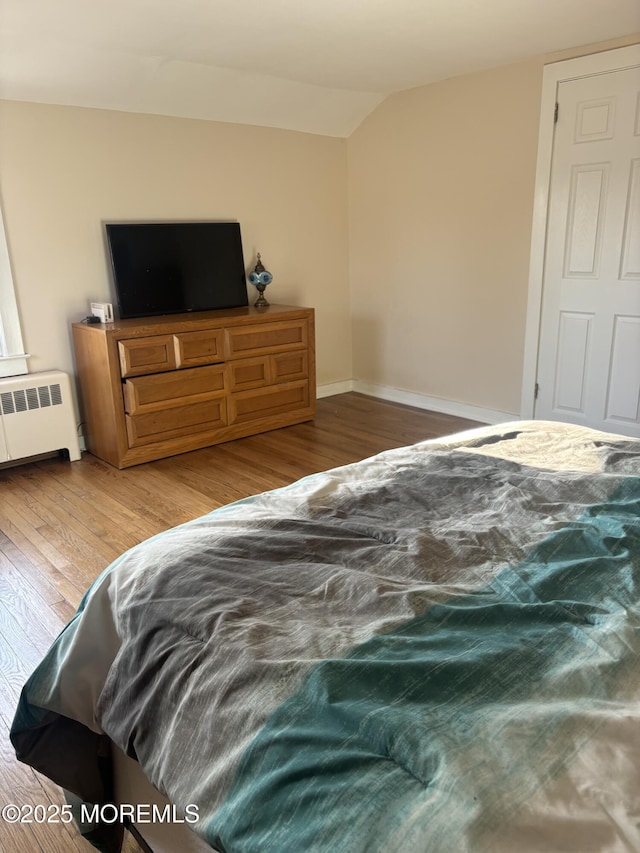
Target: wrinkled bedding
x,y
435,649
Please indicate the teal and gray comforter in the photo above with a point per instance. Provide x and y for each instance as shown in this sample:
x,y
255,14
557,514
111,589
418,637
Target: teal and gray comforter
x,y
436,649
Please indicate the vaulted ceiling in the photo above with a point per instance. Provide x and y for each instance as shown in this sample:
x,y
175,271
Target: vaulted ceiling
x,y
313,65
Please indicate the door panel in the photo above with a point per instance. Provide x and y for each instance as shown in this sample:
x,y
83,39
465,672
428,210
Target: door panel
x,y
630,265
572,367
583,244
623,397
589,345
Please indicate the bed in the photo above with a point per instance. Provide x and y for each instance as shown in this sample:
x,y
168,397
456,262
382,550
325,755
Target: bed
x,y
434,649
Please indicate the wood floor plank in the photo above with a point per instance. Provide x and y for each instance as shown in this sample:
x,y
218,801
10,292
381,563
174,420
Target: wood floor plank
x,y
150,511
19,519
61,523
84,510
94,483
33,612
57,587
66,609
223,475
108,496
80,562
72,535
36,578
19,656
191,501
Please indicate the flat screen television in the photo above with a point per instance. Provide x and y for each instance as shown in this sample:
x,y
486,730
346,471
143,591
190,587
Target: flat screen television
x,y
174,267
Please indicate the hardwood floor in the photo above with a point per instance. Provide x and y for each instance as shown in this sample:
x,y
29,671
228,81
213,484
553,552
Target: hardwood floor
x,y
61,523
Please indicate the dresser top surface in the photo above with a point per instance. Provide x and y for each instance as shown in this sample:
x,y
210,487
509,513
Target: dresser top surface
x,y
196,319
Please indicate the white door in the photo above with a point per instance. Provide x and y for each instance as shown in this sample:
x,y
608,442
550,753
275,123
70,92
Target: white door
x,y
589,344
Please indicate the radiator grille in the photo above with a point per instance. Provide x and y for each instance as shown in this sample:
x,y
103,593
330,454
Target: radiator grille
x,y
27,399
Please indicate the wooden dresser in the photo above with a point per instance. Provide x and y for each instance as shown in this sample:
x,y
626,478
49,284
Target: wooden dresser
x,y
157,386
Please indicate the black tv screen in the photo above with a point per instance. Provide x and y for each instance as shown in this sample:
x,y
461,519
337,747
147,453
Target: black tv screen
x,y
171,267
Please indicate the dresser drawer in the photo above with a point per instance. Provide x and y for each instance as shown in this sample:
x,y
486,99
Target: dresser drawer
x,y
202,347
248,373
267,402
149,393
146,355
289,366
264,338
179,421
269,370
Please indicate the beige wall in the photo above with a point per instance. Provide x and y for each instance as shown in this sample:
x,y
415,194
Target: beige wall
x,y
411,239
63,170
441,182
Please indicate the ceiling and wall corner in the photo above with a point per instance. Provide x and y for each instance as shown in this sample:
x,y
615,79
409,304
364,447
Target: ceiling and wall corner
x,y
308,66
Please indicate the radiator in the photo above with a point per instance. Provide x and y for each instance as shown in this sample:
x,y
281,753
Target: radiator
x,y
37,416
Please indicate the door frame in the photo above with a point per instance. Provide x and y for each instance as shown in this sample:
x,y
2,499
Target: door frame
x,y
555,73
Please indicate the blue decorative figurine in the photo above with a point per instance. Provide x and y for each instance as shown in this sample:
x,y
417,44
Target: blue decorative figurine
x,y
260,278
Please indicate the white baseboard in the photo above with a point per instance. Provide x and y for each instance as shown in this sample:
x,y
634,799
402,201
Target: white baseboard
x,y
333,388
419,401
